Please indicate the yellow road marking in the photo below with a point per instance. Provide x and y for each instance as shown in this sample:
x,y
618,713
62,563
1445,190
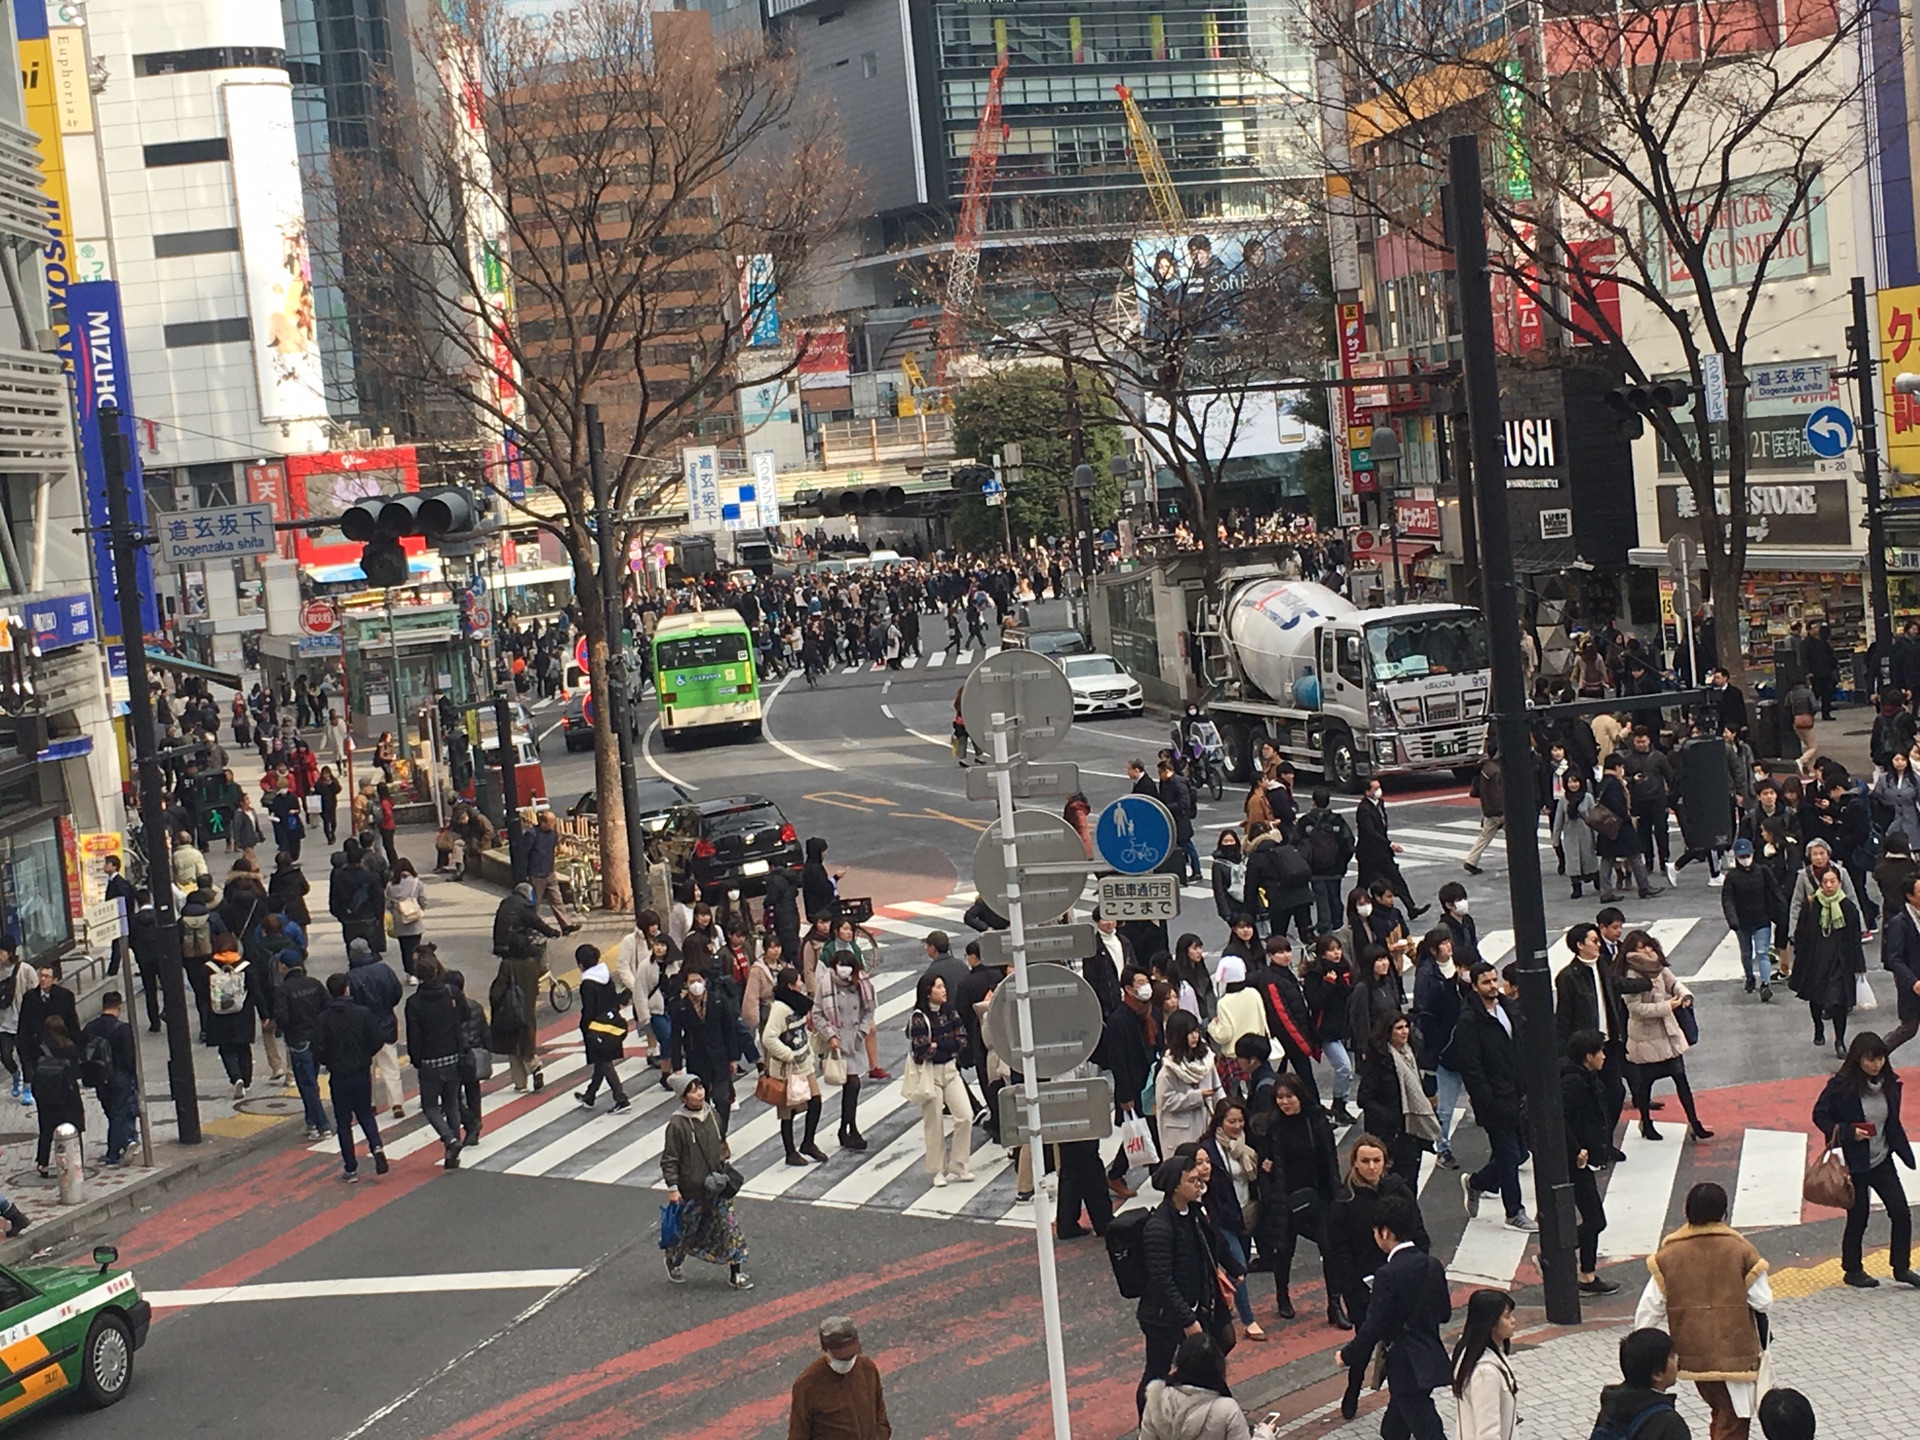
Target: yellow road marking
x,y
843,797
966,820
1802,1280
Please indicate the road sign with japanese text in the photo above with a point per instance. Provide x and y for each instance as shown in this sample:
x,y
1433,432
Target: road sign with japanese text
x,y
221,534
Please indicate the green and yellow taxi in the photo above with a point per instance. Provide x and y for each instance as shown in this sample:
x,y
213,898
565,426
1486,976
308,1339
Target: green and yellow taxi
x,y
68,1330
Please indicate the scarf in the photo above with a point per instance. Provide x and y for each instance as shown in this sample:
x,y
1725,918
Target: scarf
x,y
1239,1155
1415,1108
795,1002
1831,916
1192,1073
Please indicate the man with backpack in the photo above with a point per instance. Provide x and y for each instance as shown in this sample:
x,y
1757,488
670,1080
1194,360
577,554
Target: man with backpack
x,y
298,1003
376,989
1280,879
344,1040
476,1062
1329,843
1176,793
235,995
107,1064
200,922
1640,1407
1179,1258
1487,788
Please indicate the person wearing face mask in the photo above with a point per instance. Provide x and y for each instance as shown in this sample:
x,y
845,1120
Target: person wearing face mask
x,y
840,1393
706,1040
843,1006
1299,1175
1747,902
1439,987
1229,874
694,1152
1128,1044
1464,929
1375,849
788,1047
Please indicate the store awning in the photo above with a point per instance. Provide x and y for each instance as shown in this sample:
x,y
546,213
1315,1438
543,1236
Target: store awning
x,y
193,667
1768,557
352,574
536,575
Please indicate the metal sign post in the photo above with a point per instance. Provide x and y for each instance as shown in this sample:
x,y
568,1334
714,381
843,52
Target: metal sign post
x,y
1003,728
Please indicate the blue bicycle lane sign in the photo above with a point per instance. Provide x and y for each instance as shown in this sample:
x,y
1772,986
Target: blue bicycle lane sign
x,y
1134,834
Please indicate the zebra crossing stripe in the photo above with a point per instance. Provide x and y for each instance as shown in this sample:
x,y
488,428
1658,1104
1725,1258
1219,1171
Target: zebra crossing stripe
x,y
1638,1193
592,1127
963,657
992,650
1489,1253
1767,1191
907,662
936,660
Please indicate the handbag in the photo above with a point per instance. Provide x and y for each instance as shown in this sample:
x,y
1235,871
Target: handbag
x,y
1602,821
916,1084
1863,996
1828,1181
1136,1140
407,910
482,1062
799,1091
723,1182
833,1070
771,1089
1689,1024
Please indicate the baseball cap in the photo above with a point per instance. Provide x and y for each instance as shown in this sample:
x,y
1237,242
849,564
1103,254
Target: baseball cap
x,y
1742,848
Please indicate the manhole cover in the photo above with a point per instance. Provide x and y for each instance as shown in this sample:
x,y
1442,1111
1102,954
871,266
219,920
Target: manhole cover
x,y
271,1105
17,1137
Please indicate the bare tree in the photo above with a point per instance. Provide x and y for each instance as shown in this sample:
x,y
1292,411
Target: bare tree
x,y
1196,336
1655,167
574,206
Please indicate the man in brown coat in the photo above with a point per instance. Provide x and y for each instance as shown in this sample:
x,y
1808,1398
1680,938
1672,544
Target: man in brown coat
x,y
838,1396
1710,1292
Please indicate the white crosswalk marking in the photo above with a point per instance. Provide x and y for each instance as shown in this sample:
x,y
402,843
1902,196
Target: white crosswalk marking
x,y
907,662
992,650
936,660
1638,1191
593,1127
1722,964
1768,1189
1488,1253
851,670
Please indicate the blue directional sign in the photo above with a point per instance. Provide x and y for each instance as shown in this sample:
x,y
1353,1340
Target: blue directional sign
x,y
1134,834
1829,432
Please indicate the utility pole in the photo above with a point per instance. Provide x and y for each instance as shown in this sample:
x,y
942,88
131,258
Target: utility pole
x,y
509,786
153,822
614,682
1538,1037
1860,336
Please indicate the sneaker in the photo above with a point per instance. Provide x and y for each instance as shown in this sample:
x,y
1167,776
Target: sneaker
x,y
26,1095
621,1107
1673,875
539,1083
940,1180
239,1089
674,1273
1520,1220
1445,1161
584,1098
1716,882
1597,1286
1472,869
1752,984
1470,1195
878,1074
352,1177
740,1280
380,1165
16,1087
1766,994
452,1151
963,1176
399,1112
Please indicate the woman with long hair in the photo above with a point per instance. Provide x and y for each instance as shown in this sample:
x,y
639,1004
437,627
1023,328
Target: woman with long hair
x,y
843,1011
1194,1400
1394,1105
1483,1383
1298,1178
1190,970
1187,1083
1376,995
936,1038
1229,1198
1656,1043
1859,1111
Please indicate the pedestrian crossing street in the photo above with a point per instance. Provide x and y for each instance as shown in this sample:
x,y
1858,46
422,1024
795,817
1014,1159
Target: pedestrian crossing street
x,y
549,1135
961,660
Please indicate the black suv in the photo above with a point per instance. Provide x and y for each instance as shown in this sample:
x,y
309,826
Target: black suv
x,y
736,842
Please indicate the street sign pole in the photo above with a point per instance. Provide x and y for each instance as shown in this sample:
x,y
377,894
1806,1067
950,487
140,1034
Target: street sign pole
x,y
1003,728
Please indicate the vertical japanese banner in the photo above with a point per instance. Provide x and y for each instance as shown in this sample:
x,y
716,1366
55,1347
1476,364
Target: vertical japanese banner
x,y
99,345
267,485
1899,311
70,862
1353,344
701,465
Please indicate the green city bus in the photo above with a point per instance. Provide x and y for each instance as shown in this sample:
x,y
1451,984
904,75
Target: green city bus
x,y
703,675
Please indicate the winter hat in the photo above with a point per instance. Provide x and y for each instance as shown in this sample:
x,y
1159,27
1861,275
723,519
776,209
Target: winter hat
x,y
1232,970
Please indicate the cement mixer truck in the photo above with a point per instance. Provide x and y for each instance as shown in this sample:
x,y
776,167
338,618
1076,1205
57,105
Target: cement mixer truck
x,y
1342,692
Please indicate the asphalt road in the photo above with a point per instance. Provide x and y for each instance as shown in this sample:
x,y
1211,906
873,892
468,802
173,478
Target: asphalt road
x,y
563,1324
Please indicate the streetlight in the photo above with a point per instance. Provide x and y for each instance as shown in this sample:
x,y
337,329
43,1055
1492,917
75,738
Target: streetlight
x,y
1385,450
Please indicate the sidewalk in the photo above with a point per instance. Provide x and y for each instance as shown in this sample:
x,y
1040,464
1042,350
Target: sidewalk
x,y
459,920
1848,1351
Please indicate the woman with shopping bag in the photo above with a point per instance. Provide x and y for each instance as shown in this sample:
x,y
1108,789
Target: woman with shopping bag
x,y
701,1184
1828,961
791,1083
936,1038
1859,1113
843,1005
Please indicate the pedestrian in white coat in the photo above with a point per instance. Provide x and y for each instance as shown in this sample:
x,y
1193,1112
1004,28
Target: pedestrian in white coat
x,y
1186,1085
1483,1382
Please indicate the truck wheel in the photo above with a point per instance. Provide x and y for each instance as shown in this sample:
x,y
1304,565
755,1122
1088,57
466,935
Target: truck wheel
x,y
1342,764
106,1364
1233,740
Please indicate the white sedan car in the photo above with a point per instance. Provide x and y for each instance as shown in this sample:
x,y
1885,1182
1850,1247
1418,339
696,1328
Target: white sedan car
x,y
1101,685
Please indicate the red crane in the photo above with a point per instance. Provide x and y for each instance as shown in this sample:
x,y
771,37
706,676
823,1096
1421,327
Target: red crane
x,y
981,165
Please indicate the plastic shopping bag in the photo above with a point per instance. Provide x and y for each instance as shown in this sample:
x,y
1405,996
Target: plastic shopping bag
x,y
670,1221
1137,1141
1863,996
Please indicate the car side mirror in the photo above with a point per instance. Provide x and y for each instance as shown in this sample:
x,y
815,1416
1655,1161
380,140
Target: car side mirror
x,y
104,1256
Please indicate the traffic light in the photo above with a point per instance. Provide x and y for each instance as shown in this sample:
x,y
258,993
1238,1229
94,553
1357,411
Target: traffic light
x,y
1630,402
873,500
381,523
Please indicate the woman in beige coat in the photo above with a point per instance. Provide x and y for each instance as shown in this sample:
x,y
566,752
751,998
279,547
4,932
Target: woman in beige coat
x,y
786,1039
1656,1039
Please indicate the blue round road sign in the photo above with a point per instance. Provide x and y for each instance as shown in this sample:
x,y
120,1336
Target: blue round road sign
x,y
1829,432
1134,834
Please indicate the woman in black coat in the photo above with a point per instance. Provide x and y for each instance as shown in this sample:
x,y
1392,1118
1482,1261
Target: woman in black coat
x,y
817,884
1376,995
1583,1103
1327,980
603,1029
1827,958
1350,1224
1298,1178
56,1087
706,1038
1860,1108
1383,1105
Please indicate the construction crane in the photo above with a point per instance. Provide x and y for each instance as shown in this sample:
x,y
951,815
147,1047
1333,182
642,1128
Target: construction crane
x,y
1153,169
981,165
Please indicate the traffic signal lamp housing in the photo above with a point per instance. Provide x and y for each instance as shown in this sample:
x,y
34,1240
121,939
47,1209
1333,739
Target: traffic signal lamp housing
x,y
1630,402
381,523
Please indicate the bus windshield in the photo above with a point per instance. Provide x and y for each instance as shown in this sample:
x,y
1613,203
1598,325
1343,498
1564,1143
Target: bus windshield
x,y
687,651
1428,645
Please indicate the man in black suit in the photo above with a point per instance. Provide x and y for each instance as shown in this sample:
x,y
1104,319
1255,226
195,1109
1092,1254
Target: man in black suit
x,y
1376,851
1586,996
1409,1305
1488,1059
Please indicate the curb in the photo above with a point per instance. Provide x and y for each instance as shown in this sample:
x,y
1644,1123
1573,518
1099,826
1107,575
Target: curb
x,y
64,1224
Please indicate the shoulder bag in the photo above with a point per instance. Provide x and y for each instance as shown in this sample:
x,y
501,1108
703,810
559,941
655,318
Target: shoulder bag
x,y
1602,821
771,1089
916,1083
